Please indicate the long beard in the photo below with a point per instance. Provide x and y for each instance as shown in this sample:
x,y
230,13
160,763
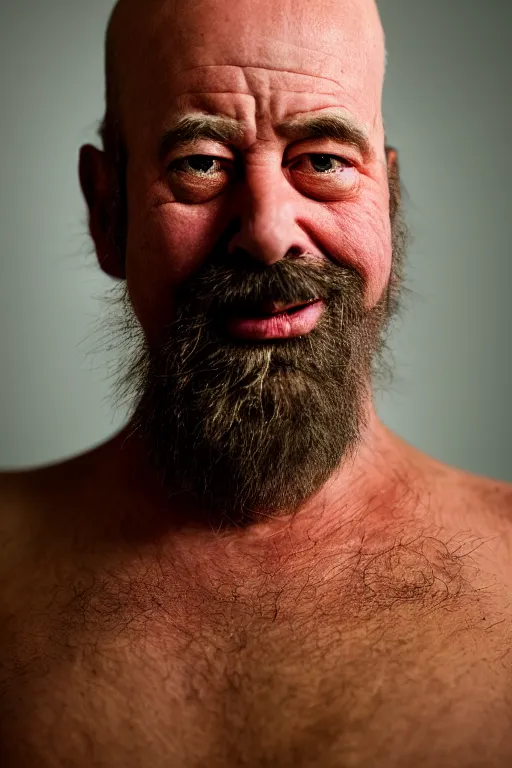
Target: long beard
x,y
252,430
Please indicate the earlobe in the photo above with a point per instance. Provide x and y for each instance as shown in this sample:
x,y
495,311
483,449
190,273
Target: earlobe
x,y
97,188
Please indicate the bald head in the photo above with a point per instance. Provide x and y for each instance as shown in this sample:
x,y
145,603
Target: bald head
x,y
337,40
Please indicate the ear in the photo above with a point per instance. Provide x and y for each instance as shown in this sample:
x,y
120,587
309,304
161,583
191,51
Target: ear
x,y
97,182
394,179
392,163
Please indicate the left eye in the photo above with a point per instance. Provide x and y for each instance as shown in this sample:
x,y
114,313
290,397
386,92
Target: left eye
x,y
326,163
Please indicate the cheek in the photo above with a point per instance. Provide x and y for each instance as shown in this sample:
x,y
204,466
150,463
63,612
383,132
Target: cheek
x,y
358,233
166,244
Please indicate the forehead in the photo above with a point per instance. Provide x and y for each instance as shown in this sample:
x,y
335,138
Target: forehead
x,y
289,55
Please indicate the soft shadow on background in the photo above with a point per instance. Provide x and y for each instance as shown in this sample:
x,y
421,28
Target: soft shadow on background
x,y
448,109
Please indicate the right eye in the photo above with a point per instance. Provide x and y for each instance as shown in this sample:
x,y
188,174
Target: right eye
x,y
199,178
198,165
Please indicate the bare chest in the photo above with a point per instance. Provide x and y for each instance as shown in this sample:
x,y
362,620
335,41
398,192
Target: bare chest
x,y
301,684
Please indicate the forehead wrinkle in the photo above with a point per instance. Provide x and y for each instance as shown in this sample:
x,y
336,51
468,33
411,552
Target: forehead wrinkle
x,y
135,23
361,15
266,68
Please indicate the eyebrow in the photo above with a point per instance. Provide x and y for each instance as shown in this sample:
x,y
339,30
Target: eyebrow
x,y
190,128
226,130
329,125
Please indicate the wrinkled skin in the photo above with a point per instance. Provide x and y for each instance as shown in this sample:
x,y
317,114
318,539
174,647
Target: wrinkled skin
x,y
161,231
320,593
264,207
297,60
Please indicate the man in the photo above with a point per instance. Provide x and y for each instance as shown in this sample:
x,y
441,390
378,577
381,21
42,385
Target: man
x,y
255,571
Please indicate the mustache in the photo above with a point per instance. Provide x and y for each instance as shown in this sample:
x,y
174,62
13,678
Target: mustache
x,y
239,284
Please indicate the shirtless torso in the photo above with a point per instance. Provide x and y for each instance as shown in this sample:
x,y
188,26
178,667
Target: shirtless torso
x,y
120,658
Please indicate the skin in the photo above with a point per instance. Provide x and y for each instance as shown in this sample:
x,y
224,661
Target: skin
x,y
242,76
289,64
178,58
385,587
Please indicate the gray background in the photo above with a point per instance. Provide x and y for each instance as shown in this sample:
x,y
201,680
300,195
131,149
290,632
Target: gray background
x,y
448,110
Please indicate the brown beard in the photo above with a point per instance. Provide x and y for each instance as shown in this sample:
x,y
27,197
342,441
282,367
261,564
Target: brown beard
x,y
252,430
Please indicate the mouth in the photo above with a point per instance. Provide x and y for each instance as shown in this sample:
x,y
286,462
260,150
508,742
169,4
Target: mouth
x,y
275,320
272,308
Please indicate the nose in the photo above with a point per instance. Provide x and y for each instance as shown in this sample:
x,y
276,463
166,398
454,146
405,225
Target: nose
x,y
267,211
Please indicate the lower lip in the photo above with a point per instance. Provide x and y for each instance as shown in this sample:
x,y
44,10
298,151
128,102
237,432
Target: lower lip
x,y
280,326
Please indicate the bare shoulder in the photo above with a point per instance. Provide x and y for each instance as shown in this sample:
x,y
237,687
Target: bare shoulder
x,y
473,508
14,517
493,497
29,505
457,489
19,526
38,508
482,506
15,544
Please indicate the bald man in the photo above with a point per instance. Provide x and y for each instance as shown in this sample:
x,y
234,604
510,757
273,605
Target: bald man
x,y
255,571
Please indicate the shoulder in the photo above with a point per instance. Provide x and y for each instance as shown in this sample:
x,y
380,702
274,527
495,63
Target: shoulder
x,y
39,509
16,543
493,500
482,507
30,508
463,490
457,489
467,504
18,531
490,496
14,525
476,498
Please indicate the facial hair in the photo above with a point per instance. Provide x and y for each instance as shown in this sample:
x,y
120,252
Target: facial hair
x,y
253,430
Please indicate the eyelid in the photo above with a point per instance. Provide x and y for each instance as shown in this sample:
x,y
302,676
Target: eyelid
x,y
221,160
346,152
203,148
349,163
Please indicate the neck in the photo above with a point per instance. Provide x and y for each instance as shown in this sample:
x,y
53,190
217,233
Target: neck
x,y
371,495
